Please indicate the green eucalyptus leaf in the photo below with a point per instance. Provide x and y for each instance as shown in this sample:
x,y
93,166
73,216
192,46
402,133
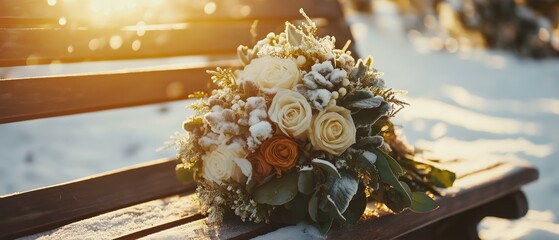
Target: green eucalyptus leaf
x,y
407,188
396,200
358,72
441,178
313,207
342,190
356,207
306,182
364,103
277,191
326,166
324,227
183,174
367,117
394,165
389,177
334,211
361,99
422,203
372,141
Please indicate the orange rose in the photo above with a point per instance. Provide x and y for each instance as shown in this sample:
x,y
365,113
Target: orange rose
x,y
281,152
260,168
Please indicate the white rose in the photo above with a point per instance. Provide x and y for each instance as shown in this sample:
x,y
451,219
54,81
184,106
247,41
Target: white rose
x,y
291,111
271,73
221,164
332,130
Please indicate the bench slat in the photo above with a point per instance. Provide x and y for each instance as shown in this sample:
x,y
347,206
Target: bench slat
x,y
473,189
469,192
26,12
20,47
32,98
51,207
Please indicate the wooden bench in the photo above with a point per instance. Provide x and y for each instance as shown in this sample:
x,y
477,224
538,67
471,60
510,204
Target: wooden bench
x,y
127,200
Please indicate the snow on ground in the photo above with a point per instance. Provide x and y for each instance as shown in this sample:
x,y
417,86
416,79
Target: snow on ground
x,y
473,104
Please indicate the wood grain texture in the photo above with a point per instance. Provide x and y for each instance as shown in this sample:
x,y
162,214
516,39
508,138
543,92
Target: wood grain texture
x,y
22,47
47,208
38,12
183,29
179,215
32,98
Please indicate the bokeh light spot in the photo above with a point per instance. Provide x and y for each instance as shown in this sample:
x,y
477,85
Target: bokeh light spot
x,y
32,60
136,45
94,44
210,8
245,10
62,21
115,42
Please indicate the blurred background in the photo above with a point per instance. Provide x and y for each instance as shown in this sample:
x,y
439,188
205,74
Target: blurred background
x,y
482,78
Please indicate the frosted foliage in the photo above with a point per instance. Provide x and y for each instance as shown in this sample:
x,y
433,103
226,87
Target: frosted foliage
x,y
222,121
323,68
258,133
256,109
314,79
211,140
337,76
319,98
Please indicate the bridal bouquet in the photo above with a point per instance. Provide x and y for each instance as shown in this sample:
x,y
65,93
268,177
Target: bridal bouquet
x,y
301,132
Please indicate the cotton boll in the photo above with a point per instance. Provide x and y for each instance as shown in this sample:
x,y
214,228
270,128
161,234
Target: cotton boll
x,y
256,116
256,109
261,131
337,76
323,68
211,141
319,98
314,78
222,120
308,80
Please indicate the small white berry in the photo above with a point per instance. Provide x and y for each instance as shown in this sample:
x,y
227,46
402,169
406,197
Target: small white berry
x,y
342,91
335,95
301,60
345,82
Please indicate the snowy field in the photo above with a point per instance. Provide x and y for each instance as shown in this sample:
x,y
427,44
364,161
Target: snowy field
x,y
475,104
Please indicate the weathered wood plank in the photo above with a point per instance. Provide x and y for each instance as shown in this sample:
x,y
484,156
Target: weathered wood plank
x,y
31,98
22,47
80,13
47,208
470,191
130,220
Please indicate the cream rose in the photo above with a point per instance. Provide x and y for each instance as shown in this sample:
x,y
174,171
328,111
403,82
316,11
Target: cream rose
x,y
271,73
291,111
332,130
221,164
